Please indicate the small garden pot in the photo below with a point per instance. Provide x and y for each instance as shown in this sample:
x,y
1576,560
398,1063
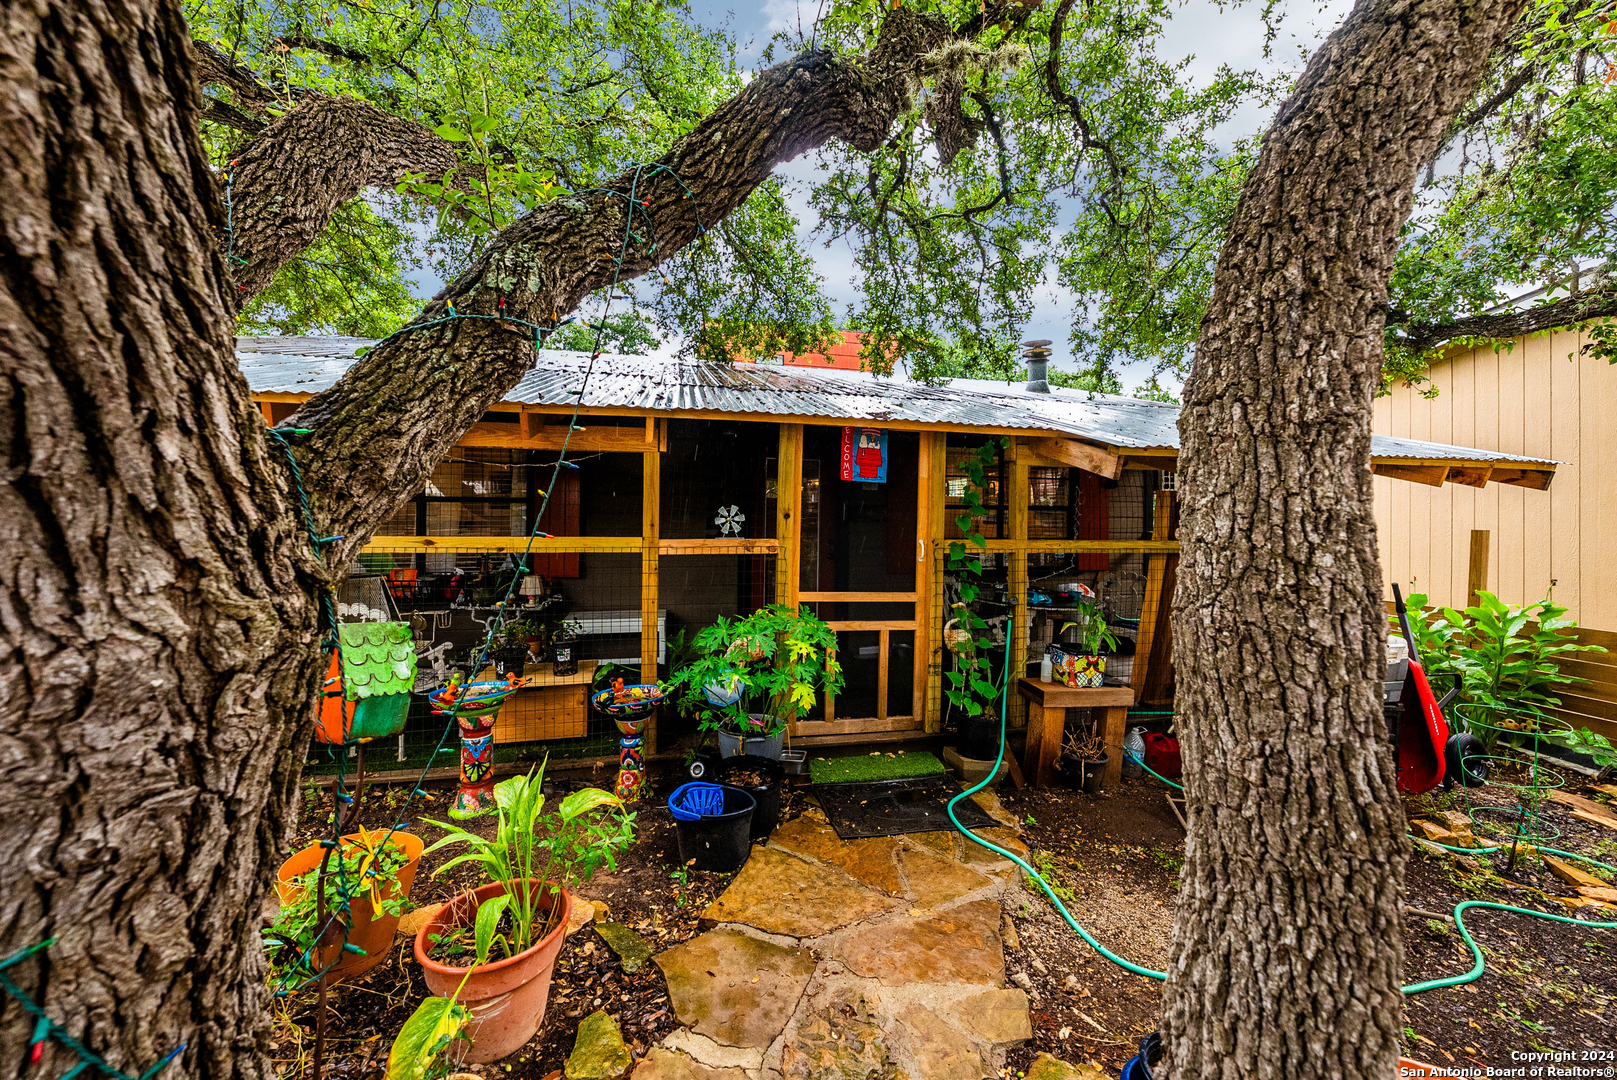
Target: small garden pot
x,y
371,931
1080,669
719,841
763,780
733,742
507,997
1093,773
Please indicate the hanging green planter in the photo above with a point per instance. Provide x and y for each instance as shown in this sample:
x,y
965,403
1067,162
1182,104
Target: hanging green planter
x,y
366,694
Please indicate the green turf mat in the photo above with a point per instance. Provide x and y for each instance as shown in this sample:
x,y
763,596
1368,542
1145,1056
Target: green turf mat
x,y
879,766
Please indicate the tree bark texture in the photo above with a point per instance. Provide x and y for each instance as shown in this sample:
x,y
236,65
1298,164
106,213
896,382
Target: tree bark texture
x,y
158,643
157,590
1287,952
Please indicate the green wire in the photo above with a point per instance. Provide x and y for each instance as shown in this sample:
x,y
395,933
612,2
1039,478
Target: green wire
x,y
1477,967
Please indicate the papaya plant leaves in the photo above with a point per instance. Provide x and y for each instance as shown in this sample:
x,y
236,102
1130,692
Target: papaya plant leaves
x,y
585,800
419,1047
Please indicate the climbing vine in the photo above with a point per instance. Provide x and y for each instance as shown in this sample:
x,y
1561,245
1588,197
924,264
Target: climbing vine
x,y
971,684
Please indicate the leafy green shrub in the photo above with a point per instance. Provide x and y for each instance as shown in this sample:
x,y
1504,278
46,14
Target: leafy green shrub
x,y
1506,656
971,685
775,662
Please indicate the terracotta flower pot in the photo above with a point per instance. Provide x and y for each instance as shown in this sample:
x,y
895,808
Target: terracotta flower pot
x,y
507,997
370,931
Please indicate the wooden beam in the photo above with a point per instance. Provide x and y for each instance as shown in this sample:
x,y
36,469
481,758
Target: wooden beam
x,y
1537,479
1434,475
719,545
882,670
788,509
530,435
1017,498
858,597
1158,547
1079,455
811,728
543,545
1470,477
871,624
1476,579
650,571
1161,462
929,583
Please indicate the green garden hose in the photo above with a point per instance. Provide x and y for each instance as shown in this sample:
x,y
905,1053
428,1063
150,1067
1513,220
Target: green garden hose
x,y
1478,964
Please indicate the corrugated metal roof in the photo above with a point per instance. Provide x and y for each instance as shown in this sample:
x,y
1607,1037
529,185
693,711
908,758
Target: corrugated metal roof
x,y
307,365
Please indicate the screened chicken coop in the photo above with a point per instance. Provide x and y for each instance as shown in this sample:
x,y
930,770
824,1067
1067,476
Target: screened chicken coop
x,y
708,490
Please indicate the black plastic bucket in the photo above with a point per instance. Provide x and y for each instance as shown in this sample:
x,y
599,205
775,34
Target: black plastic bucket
x,y
719,841
979,737
766,792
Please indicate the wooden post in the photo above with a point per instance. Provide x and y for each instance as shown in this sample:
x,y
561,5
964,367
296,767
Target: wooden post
x,y
1158,597
923,577
929,583
788,503
1476,578
1016,496
650,535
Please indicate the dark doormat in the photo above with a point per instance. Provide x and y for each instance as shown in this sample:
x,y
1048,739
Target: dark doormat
x,y
892,807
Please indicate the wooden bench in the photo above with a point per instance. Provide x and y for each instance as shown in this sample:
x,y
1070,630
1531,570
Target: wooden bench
x,y
1048,703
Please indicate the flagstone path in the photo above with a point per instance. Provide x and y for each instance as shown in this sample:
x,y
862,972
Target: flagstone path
x,y
848,960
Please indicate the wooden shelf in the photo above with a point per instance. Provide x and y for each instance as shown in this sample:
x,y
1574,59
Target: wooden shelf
x,y
541,675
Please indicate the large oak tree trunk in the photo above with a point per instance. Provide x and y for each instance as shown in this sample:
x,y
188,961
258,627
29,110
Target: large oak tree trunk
x,y
158,633
1287,951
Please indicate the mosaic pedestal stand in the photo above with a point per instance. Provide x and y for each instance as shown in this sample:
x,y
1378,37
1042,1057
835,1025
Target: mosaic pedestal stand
x,y
476,795
631,708
474,708
631,759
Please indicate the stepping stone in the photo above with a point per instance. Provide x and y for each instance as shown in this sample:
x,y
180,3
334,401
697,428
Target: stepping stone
x,y
660,1064
870,861
599,1052
996,1017
781,894
960,945
933,881
941,842
940,1049
633,949
704,1051
733,988
994,808
840,1040
1045,1067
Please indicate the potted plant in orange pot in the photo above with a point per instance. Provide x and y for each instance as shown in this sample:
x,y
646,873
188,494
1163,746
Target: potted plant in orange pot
x,y
512,927
375,869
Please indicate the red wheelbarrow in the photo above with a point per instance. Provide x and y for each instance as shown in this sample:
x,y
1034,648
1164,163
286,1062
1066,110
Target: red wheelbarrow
x,y
1429,754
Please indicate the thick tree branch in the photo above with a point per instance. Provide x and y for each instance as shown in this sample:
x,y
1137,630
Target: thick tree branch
x,y
401,407
304,166
1597,303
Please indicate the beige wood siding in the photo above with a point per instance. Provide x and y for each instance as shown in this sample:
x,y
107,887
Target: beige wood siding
x,y
1542,398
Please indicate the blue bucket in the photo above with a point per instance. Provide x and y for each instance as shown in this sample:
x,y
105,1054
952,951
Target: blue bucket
x,y
694,801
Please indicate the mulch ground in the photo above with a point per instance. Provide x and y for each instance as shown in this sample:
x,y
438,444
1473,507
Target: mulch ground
x,y
1549,986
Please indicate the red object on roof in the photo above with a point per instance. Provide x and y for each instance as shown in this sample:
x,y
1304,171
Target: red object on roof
x,y
843,357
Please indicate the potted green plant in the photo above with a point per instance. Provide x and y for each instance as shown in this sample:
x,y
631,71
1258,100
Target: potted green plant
x,y
373,870
512,927
750,676
1084,658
